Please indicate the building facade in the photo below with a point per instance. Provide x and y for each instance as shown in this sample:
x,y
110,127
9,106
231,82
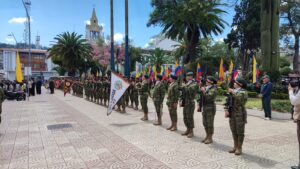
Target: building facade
x,y
40,65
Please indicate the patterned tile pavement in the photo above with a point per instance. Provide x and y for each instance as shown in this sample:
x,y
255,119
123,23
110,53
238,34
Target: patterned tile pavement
x,y
123,141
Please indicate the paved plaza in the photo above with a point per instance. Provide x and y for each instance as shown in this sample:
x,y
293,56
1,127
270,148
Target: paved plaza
x,y
87,138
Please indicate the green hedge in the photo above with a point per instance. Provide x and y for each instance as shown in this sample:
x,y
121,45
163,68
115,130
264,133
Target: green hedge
x,y
281,105
283,96
252,94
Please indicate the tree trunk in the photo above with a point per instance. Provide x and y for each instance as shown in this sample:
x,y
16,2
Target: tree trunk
x,y
193,40
270,34
296,54
275,36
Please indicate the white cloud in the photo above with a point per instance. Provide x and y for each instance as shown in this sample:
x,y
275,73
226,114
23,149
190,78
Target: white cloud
x,y
146,45
9,40
88,22
19,20
102,24
118,37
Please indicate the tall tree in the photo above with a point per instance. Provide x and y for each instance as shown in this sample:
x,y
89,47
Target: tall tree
x,y
188,19
70,51
245,32
270,35
290,11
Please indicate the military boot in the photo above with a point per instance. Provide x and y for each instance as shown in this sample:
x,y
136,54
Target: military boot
x,y
238,150
204,139
186,132
169,128
295,167
191,134
209,139
235,146
145,118
158,120
174,128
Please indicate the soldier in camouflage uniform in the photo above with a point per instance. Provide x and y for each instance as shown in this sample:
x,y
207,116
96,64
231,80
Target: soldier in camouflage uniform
x,y
97,91
89,89
86,89
105,88
172,100
108,89
101,91
80,89
238,116
189,89
135,94
158,96
127,93
144,93
209,108
2,98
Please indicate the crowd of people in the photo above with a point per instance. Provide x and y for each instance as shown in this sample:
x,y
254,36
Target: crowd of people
x,y
189,95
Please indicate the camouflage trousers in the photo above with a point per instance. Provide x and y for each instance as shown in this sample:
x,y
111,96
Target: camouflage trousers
x,y
121,103
144,100
208,117
126,99
172,111
158,107
237,126
134,98
188,114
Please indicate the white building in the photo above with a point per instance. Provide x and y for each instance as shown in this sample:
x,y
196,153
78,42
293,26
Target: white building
x,y
41,66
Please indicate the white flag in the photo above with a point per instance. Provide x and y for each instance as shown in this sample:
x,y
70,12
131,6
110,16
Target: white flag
x,y
117,88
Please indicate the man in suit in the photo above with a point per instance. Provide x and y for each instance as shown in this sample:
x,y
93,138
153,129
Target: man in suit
x,y
265,94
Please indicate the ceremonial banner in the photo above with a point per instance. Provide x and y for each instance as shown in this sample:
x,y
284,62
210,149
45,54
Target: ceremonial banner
x,y
57,83
255,72
117,89
19,76
67,87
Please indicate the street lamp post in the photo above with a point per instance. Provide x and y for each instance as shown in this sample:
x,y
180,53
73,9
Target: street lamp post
x,y
26,5
127,57
12,35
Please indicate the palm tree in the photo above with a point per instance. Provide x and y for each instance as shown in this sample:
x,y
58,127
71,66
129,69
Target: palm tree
x,y
188,19
70,52
159,57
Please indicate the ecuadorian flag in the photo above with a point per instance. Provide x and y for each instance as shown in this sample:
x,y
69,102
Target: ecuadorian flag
x,y
199,72
178,69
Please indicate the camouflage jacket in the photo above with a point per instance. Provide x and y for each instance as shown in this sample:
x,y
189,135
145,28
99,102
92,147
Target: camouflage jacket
x,y
173,93
190,90
240,98
144,88
210,95
159,91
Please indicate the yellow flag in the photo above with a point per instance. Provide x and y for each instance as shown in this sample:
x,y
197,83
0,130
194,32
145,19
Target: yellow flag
x,y
19,76
231,67
97,74
254,72
221,72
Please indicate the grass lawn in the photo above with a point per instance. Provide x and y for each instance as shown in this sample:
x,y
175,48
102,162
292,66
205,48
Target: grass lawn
x,y
255,103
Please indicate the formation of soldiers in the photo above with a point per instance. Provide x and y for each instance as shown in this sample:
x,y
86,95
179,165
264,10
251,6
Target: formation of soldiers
x,y
184,95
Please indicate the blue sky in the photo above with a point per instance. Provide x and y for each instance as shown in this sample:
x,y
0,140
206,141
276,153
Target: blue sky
x,y
52,17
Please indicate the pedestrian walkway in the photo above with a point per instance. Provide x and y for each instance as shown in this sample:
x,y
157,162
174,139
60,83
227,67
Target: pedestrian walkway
x,y
84,137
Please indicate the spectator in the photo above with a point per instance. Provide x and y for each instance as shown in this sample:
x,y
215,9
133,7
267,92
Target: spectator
x,y
294,96
265,94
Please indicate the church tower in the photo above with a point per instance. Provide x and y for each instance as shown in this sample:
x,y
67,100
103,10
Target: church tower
x,y
93,30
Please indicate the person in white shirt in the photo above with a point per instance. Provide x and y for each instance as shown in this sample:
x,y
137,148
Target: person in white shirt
x,y
294,96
